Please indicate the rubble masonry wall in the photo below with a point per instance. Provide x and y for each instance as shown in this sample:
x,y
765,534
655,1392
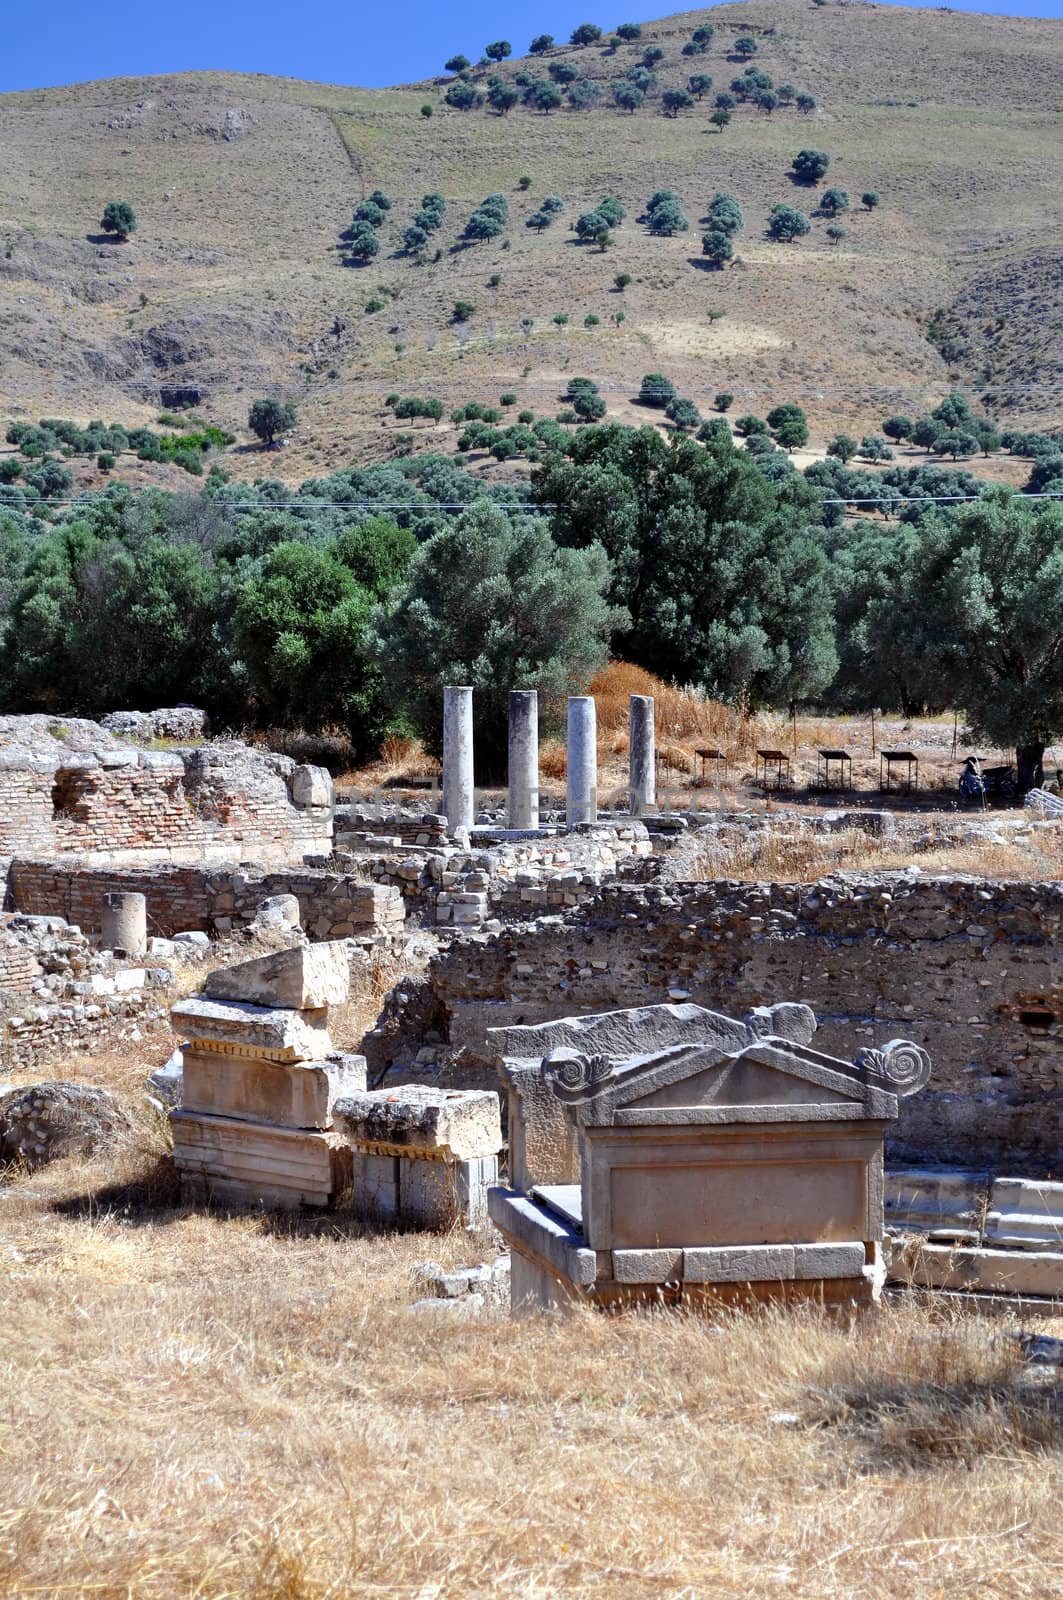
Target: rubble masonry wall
x,y
963,966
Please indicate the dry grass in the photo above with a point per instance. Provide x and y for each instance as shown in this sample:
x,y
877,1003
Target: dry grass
x,y
683,718
218,1405
782,855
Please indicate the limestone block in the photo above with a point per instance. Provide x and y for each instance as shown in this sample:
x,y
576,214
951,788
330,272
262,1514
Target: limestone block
x,y
304,978
1025,1215
231,1027
452,1124
829,1260
251,1164
533,1230
757,1263
647,1266
941,1266
931,1200
280,910
436,1194
311,786
375,1186
285,1094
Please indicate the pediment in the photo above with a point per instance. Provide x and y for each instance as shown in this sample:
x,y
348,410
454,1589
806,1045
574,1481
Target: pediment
x,y
741,1080
764,1081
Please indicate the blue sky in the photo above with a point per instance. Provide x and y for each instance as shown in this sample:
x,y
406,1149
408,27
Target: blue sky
x,y
323,39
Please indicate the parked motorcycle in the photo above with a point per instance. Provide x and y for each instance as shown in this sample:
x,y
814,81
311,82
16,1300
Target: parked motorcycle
x,y
978,785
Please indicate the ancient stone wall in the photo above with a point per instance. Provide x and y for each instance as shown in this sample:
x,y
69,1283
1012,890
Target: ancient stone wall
x,y
79,790
211,900
964,966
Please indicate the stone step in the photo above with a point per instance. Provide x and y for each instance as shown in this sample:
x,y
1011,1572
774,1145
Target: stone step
x,y
1025,1214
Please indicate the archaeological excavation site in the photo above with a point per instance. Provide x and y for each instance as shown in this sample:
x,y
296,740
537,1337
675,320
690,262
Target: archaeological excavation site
x,y
594,1065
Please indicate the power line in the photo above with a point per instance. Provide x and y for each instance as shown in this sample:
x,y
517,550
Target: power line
x,y
528,505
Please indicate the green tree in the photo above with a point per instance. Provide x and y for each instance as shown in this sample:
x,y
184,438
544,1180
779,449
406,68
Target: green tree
x,y
584,95
463,96
588,407
873,448
720,119
809,166
786,223
748,425
362,242
836,234
369,211
491,601
652,55
988,439
869,199
926,433
723,402
563,72
463,310
629,32
722,571
699,84
956,442
898,427
586,33
746,46
379,198
656,390
414,239
683,413
502,97
806,103
302,629
427,110
988,580
725,214
267,418
541,44
666,217
954,411
119,218
843,446
542,95
499,50
676,100
717,246
703,34
626,96
457,64
621,281
765,100
833,201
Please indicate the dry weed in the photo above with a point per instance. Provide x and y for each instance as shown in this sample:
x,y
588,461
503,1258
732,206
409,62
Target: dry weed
x,y
210,1405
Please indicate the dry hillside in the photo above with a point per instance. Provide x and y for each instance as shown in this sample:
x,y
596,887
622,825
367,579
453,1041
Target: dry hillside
x,y
235,279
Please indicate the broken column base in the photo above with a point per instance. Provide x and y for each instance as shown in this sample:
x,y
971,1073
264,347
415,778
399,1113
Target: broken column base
x,y
391,1185
248,1163
551,1266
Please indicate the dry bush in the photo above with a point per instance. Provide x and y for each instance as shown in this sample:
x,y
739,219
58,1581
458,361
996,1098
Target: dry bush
x,y
553,759
681,716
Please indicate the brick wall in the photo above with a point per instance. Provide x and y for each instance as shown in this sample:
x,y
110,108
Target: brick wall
x,y
212,900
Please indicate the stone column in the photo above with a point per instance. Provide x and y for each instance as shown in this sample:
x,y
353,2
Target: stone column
x,y
642,788
124,923
458,787
523,758
582,788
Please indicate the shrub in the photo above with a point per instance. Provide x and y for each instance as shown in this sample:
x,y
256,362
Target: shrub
x,y
869,199
833,201
560,318
507,399
362,242
463,96
747,425
810,165
119,218
374,305
415,238
590,320
843,446
368,211
656,390
683,413
563,72
629,32
426,110
806,103
621,281
787,223
463,310
626,96
526,417
524,183
589,407
494,280
724,401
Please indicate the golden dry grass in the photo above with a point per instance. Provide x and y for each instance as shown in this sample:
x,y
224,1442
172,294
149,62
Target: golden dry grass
x,y
785,856
216,1405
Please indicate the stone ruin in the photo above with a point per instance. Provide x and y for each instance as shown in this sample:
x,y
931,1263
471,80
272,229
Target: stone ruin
x,y
270,1114
129,858
713,1160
